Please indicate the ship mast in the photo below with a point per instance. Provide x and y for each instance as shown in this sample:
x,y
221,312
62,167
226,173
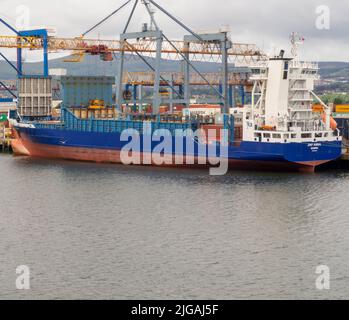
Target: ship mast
x,y
296,41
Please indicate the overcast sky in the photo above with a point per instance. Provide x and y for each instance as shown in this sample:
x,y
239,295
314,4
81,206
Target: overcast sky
x,y
267,23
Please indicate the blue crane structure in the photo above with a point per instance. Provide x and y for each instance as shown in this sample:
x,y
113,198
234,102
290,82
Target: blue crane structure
x,y
37,33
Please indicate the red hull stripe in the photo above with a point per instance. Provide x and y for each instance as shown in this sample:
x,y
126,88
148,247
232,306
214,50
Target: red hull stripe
x,y
113,156
18,148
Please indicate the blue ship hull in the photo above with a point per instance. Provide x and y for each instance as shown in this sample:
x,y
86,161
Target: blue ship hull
x,y
106,147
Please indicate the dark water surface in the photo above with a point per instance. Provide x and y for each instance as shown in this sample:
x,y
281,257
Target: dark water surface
x,y
112,232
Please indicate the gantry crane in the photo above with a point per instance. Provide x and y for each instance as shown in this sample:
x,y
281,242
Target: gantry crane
x,y
195,47
101,47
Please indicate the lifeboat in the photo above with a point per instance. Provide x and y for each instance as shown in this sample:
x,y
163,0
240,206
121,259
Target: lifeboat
x,y
333,123
268,128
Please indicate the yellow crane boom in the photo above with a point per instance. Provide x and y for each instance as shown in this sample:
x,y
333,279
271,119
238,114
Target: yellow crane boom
x,y
95,47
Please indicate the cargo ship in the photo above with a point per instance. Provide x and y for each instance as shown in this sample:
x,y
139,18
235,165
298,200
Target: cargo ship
x,y
278,130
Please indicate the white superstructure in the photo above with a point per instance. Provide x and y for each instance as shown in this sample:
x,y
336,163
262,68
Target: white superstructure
x,y
282,104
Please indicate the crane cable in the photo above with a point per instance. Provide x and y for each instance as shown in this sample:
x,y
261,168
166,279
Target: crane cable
x,y
106,18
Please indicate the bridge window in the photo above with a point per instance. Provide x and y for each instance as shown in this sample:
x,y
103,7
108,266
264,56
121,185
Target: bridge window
x,y
306,135
276,136
286,70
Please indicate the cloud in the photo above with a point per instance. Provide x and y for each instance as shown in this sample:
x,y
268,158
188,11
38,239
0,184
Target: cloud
x,y
267,23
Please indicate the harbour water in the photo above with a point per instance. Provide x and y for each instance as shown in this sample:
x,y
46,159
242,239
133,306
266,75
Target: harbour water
x,y
90,231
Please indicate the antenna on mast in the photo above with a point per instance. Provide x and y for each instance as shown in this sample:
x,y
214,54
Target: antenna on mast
x,y
296,41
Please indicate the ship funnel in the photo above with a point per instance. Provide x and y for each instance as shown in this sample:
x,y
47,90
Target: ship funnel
x,y
282,54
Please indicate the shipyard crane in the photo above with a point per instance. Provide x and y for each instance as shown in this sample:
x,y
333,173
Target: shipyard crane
x,y
39,40
100,47
195,47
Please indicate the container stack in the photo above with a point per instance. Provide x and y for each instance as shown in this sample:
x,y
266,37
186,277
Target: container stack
x,y
35,96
